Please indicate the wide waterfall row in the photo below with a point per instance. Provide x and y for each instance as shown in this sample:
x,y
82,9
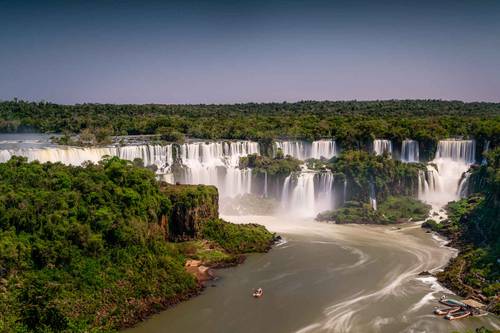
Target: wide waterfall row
x,y
444,180
308,193
160,156
304,150
303,193
382,146
410,151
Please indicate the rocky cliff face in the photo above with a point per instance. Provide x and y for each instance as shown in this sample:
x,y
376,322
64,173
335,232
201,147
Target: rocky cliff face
x,y
192,205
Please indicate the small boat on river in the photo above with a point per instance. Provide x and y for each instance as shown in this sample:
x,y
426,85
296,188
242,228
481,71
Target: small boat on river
x,y
458,315
445,311
451,302
258,293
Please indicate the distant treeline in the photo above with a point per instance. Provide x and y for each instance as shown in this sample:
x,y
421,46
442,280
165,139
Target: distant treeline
x,y
351,122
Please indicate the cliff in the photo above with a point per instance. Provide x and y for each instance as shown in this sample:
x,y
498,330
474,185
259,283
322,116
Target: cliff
x,y
192,205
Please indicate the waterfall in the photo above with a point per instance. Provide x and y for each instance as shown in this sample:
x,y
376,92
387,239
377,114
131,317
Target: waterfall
x,y
211,163
453,158
217,163
324,192
373,197
298,198
158,155
323,148
307,193
486,150
382,146
297,149
463,186
409,151
303,150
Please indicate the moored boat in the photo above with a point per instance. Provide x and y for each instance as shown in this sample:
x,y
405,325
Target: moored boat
x,y
452,302
458,315
444,311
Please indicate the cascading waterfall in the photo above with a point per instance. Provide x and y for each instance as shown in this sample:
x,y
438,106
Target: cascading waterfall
x,y
324,190
307,193
303,150
297,149
381,146
453,158
410,151
463,185
160,156
212,163
323,149
216,163
486,149
373,197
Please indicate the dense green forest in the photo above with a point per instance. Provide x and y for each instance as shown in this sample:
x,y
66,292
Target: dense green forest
x,y
473,225
351,123
86,249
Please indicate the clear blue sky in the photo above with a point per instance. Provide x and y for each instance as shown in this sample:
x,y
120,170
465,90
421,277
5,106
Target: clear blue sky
x,y
240,51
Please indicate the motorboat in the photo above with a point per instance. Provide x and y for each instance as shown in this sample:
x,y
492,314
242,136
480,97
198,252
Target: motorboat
x,y
258,293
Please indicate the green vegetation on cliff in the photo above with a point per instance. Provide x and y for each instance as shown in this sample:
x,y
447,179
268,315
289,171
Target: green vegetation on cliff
x,y
279,166
389,176
390,211
85,249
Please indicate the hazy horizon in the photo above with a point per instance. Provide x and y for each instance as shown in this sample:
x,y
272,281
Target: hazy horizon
x,y
232,52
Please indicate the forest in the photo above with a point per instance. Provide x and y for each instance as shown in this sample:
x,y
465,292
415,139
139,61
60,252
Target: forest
x,y
90,249
352,123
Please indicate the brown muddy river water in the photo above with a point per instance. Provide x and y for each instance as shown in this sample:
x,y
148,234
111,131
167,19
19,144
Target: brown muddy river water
x,y
325,278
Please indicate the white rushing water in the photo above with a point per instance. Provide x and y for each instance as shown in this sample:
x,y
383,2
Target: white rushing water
x,y
216,163
307,193
410,151
161,156
304,150
441,183
381,146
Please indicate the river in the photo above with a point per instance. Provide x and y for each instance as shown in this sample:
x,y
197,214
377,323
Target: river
x,y
325,278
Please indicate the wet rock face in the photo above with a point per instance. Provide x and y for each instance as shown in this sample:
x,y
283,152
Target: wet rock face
x,y
192,205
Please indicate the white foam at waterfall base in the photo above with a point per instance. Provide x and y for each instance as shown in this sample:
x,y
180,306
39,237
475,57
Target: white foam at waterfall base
x,y
441,183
